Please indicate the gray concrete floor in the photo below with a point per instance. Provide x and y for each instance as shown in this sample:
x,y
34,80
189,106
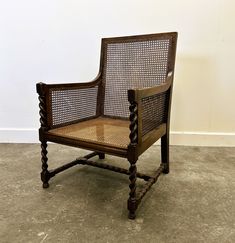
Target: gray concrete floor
x,y
194,203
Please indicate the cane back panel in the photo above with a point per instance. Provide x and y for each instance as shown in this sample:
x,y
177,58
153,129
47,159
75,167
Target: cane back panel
x,y
136,63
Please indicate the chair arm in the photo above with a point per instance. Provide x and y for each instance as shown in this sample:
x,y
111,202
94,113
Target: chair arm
x,y
137,94
150,109
63,104
79,85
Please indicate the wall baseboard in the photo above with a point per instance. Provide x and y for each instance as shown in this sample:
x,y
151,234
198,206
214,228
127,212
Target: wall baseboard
x,y
216,139
30,135
19,135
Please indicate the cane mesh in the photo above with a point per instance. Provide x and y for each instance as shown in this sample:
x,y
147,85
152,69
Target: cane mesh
x,y
132,64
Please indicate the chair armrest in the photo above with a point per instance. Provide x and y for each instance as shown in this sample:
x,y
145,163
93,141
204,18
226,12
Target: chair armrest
x,y
151,106
79,85
64,104
138,94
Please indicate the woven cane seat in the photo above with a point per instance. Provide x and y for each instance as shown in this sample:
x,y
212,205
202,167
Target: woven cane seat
x,y
102,131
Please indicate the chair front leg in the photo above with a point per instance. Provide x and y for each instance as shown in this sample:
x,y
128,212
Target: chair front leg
x,y
132,203
45,174
132,155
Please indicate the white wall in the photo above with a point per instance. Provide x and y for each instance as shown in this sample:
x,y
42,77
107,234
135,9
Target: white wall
x,y
59,41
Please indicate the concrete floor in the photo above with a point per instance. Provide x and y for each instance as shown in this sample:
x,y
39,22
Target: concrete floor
x,y
194,203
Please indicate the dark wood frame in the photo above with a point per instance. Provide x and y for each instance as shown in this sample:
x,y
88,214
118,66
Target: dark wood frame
x,y
138,143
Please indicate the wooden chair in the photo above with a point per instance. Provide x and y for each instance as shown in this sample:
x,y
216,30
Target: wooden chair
x,y
122,112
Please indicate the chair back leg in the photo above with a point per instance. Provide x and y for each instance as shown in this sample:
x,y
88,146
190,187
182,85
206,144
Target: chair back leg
x,y
101,155
165,153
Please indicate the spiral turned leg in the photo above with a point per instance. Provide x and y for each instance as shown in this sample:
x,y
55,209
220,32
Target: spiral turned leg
x,y
45,174
132,203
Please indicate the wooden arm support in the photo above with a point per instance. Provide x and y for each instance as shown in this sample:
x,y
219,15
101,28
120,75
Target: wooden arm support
x,y
65,86
45,92
137,94
135,97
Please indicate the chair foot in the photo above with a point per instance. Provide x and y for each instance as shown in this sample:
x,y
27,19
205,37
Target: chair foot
x,y
101,155
45,185
166,169
131,215
132,206
45,177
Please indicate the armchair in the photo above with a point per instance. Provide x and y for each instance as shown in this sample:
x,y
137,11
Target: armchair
x,y
122,112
